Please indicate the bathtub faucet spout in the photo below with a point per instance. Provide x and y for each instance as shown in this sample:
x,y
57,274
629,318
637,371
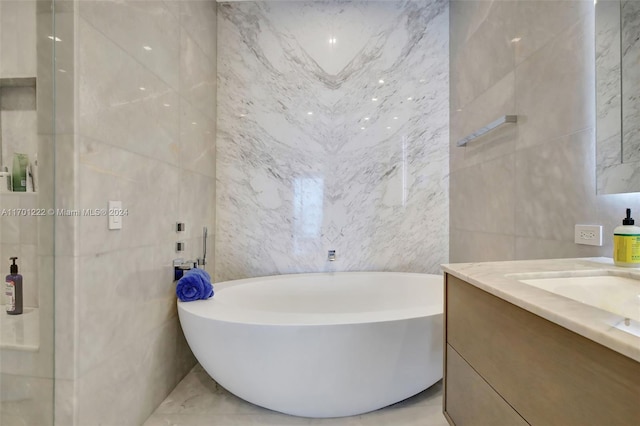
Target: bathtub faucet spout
x,y
332,255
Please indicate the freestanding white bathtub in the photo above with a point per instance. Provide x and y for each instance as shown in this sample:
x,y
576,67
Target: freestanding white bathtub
x,y
320,345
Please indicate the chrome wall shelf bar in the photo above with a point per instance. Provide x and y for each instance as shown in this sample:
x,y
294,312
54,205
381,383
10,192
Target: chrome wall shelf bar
x,y
489,127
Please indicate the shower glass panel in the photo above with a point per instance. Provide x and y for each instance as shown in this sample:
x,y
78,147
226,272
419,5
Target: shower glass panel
x,y
27,140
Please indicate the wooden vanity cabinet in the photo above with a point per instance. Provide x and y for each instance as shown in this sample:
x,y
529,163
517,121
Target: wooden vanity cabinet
x,y
504,365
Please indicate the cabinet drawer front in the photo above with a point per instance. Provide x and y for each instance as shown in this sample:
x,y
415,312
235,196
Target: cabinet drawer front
x,y
471,401
548,374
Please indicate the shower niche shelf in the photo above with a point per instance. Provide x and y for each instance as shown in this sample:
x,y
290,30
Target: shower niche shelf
x,y
20,332
18,123
18,82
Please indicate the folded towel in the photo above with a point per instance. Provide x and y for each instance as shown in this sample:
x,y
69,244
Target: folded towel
x,y
195,284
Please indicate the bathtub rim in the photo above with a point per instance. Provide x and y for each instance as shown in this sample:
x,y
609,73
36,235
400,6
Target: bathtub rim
x,y
210,310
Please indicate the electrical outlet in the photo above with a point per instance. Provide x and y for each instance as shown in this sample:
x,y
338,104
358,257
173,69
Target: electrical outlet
x,y
590,235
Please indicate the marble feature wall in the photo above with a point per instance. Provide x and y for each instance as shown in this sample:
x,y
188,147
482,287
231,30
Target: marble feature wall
x,y
518,192
141,130
332,134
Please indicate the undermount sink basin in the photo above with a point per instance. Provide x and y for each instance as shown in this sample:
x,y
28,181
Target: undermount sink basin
x,y
614,291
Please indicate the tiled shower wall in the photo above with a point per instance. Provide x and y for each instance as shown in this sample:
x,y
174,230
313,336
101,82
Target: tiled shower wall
x,y
18,234
141,130
26,376
517,193
18,133
332,135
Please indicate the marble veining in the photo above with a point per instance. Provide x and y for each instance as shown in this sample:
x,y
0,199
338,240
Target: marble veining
x,y
332,134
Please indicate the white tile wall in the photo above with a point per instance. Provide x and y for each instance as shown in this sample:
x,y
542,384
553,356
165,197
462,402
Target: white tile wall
x,y
517,194
123,350
18,38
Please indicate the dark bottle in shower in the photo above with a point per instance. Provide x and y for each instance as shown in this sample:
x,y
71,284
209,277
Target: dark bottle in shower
x,y
13,290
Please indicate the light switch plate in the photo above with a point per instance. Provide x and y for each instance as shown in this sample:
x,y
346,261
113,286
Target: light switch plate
x,y
115,216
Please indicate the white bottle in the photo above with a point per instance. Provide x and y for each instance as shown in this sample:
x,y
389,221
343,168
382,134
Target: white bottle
x,y
5,181
626,243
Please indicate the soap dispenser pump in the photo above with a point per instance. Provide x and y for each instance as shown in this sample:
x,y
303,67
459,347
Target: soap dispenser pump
x,y
626,243
13,290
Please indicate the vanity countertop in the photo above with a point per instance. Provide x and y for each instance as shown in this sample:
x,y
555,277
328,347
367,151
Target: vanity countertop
x,y
591,322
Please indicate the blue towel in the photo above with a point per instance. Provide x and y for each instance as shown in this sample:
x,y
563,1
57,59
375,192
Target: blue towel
x,y
195,284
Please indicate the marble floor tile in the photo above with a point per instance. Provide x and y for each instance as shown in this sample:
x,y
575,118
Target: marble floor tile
x,y
198,400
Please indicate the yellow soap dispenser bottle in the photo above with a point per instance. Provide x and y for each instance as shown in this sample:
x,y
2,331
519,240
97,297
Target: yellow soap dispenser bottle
x,y
626,243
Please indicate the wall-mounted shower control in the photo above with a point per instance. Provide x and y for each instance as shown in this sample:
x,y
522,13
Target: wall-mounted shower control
x,y
332,256
180,266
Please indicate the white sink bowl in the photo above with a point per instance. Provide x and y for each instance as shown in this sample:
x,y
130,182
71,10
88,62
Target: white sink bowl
x,y
614,291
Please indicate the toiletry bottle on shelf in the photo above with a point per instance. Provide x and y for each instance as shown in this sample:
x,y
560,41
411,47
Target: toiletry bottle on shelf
x,y
19,172
626,243
13,290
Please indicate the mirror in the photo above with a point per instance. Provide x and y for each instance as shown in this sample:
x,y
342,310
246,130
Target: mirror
x,y
617,33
